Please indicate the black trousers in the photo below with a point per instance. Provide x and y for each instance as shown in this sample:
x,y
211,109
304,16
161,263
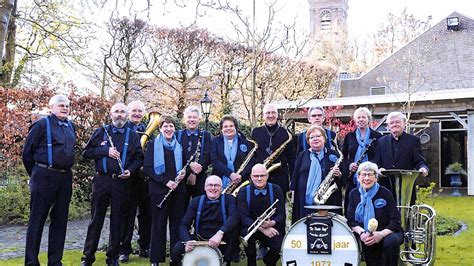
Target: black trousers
x,y
386,252
50,193
173,211
106,190
274,245
138,205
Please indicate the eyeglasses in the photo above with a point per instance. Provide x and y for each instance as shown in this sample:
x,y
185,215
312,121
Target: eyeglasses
x,y
317,115
270,113
213,185
366,174
315,136
259,176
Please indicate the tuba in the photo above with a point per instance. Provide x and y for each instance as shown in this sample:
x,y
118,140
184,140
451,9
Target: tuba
x,y
418,222
154,121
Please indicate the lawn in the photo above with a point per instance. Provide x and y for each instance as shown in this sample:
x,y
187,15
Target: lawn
x,y
451,250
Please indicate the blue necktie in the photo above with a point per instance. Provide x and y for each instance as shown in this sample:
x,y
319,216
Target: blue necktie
x,y
213,201
260,191
64,124
119,130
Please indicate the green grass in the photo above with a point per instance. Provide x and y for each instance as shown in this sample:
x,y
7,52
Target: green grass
x,y
450,250
458,250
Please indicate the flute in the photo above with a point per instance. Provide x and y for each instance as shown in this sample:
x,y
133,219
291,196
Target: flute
x,y
119,161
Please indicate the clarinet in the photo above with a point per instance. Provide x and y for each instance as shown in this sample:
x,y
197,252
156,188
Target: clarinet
x,y
183,170
119,161
361,158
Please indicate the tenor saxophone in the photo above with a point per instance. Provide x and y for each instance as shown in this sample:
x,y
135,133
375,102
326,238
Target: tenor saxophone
x,y
267,162
325,189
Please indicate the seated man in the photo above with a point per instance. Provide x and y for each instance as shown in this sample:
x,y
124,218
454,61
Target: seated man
x,y
214,217
253,200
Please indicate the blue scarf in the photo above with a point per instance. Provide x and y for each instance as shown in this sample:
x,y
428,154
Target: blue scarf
x,y
314,176
159,156
365,209
230,153
362,145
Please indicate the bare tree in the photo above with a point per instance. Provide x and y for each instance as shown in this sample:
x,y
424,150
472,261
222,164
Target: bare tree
x,y
180,60
48,31
124,58
396,32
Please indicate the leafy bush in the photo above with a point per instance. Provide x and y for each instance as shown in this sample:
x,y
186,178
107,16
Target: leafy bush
x,y
19,108
15,200
446,225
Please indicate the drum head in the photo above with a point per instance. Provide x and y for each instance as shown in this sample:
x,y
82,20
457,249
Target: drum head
x,y
322,207
344,245
203,256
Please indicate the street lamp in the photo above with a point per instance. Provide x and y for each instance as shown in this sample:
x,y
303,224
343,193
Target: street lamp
x,y
206,103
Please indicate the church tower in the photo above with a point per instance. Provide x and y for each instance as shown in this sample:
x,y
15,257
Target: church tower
x,y
328,19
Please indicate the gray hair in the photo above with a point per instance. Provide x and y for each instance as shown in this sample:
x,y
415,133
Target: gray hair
x,y
368,166
213,177
192,109
365,110
138,102
393,115
318,107
58,98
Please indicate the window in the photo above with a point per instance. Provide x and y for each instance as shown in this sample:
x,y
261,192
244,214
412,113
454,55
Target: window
x,y
380,90
325,20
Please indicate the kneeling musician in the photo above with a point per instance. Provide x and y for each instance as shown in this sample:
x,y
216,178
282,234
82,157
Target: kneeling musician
x,y
373,215
262,216
214,217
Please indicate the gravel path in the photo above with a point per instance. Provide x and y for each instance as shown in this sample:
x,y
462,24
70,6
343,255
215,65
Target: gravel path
x,y
12,238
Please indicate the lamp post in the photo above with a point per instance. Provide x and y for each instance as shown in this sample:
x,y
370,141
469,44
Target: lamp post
x,y
206,103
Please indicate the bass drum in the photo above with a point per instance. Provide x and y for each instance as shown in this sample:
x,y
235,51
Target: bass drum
x,y
203,256
345,247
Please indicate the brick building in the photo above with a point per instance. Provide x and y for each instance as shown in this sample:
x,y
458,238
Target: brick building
x,y
432,79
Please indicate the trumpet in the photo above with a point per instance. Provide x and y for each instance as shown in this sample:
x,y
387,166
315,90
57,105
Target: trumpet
x,y
258,222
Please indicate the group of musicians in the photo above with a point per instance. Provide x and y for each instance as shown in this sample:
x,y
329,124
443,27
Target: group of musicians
x,y
166,183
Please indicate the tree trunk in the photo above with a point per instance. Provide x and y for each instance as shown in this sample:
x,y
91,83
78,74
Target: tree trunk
x,y
6,9
9,59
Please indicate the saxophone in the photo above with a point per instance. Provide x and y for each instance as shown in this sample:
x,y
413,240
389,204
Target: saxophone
x,y
233,185
276,154
325,189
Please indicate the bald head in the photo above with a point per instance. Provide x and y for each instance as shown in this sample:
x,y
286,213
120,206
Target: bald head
x,y
118,113
259,176
213,187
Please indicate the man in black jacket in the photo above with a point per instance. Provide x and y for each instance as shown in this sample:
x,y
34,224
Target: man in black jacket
x,y
116,152
48,156
399,150
253,201
214,216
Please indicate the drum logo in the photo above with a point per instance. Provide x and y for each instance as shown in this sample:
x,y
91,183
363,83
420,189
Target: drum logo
x,y
319,235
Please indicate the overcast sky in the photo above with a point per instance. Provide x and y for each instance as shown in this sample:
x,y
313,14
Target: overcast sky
x,y
364,16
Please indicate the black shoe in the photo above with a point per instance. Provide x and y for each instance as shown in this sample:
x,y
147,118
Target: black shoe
x,y
113,263
144,253
123,258
85,263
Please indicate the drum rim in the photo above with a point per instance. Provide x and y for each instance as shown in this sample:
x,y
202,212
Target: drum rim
x,y
341,219
216,250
